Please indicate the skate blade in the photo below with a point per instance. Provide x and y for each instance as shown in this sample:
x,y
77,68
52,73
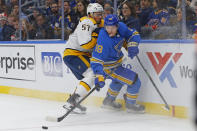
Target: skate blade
x,y
75,111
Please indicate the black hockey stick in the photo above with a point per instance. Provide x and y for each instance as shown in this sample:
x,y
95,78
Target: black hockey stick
x,y
166,104
58,119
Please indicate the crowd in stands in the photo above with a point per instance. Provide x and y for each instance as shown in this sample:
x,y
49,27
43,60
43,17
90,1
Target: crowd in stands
x,y
154,19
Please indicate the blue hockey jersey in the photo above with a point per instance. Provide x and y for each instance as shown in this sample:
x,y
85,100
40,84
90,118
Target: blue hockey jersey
x,y
107,53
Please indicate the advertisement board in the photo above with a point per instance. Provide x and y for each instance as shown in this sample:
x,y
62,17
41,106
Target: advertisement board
x,y
17,62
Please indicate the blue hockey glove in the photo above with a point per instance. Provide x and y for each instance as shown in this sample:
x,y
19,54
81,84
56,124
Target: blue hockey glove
x,y
132,49
99,81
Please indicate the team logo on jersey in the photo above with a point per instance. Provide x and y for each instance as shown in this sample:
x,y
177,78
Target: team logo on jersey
x,y
52,64
164,65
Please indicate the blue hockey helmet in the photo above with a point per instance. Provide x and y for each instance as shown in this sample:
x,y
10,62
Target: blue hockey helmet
x,y
111,20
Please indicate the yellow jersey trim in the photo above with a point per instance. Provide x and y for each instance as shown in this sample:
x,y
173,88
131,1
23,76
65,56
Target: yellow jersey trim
x,y
84,61
74,52
85,18
129,82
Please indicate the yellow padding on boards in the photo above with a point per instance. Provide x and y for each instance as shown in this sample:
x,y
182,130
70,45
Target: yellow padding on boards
x,y
151,108
5,89
47,95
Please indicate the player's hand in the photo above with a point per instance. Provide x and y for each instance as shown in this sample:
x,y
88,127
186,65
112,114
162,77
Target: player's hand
x,y
99,81
133,51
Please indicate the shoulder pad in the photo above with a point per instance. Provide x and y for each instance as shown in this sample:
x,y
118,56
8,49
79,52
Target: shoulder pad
x,y
88,18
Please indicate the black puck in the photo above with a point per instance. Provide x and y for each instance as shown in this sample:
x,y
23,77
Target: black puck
x,y
44,127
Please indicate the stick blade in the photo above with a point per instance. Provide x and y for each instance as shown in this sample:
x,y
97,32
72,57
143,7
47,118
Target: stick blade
x,y
51,119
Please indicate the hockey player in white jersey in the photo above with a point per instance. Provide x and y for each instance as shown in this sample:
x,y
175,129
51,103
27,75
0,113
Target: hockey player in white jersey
x,y
78,52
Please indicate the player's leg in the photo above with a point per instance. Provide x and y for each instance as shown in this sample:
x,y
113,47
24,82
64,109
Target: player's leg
x,y
78,65
130,78
131,97
82,89
113,91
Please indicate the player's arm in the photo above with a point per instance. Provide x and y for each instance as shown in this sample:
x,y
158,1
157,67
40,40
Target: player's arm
x,y
132,39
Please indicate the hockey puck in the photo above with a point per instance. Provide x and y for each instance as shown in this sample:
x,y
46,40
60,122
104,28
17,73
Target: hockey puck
x,y
44,127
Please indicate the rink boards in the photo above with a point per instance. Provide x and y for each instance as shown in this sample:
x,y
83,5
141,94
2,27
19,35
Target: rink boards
x,y
35,69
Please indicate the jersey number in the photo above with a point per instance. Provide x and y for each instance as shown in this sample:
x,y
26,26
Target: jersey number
x,y
99,48
85,27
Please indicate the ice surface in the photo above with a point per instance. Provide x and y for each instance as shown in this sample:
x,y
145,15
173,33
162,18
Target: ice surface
x,y
28,114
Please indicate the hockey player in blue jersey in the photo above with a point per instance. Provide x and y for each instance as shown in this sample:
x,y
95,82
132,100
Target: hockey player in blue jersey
x,y
107,56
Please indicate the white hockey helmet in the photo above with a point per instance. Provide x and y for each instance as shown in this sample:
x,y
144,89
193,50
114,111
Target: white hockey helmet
x,y
94,7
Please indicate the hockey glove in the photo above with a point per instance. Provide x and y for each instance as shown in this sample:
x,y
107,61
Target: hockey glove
x,y
133,49
99,82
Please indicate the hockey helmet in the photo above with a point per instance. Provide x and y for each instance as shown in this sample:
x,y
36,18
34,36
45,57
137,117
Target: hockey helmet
x,y
111,20
94,7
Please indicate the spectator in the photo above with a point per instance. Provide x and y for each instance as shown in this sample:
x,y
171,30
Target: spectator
x,y
129,16
172,7
11,5
101,2
70,15
160,15
32,18
11,19
145,11
27,30
107,11
7,31
187,2
42,28
54,20
16,35
137,7
47,7
3,8
81,9
73,3
15,11
175,28
107,5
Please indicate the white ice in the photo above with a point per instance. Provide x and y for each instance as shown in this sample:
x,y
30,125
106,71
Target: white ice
x,y
28,114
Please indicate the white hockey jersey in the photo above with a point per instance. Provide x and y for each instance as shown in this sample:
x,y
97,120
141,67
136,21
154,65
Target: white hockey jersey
x,y
83,39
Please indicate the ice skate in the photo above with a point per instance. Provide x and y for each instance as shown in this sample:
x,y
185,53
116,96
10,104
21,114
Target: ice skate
x,y
109,103
72,101
134,108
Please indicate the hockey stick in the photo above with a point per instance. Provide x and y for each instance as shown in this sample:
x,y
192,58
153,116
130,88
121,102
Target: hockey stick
x,y
166,104
59,119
